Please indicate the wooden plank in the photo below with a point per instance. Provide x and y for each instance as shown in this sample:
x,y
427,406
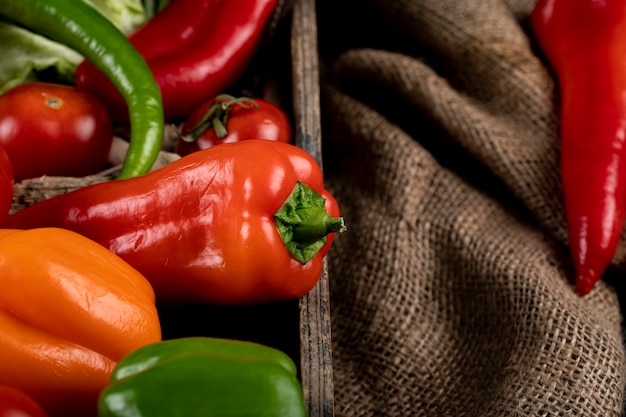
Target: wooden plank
x,y
316,370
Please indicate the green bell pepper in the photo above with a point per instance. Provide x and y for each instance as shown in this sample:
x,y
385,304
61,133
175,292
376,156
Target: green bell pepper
x,y
203,376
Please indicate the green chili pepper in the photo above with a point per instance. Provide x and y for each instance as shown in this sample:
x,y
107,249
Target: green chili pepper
x,y
204,377
82,28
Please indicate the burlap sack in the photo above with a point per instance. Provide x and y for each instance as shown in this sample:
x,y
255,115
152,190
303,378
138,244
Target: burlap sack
x,y
451,292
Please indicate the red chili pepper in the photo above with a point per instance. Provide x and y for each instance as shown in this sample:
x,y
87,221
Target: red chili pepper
x,y
584,42
195,48
239,223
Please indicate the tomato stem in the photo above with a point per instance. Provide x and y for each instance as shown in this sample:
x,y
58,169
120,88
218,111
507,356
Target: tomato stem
x,y
217,115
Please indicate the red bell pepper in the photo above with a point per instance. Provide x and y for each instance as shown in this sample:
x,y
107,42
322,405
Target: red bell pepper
x,y
195,48
16,403
584,42
239,223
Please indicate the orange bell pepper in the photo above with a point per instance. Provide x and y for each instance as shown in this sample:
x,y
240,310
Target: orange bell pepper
x,y
69,311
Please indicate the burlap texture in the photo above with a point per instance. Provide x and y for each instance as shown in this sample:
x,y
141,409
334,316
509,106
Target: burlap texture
x,y
451,291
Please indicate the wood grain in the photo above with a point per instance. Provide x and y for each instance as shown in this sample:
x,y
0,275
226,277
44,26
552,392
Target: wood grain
x,y
315,330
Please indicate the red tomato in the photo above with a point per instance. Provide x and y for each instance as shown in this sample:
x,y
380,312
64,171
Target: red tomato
x,y
53,129
16,403
241,118
6,183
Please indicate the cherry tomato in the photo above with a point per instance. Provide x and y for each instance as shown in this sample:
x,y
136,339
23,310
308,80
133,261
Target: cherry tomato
x,y
228,119
54,129
16,403
6,183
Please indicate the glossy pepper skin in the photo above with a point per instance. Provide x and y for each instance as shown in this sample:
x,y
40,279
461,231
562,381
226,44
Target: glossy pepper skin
x,y
195,48
82,28
584,42
204,377
202,228
69,311
6,183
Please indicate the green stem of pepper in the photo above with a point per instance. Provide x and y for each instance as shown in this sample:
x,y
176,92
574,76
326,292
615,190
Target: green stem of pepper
x,y
82,28
315,223
303,223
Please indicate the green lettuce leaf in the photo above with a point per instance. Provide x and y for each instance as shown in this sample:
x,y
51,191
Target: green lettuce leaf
x,y
127,15
27,56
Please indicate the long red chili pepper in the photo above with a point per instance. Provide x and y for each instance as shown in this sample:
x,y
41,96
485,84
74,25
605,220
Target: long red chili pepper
x,y
584,42
195,48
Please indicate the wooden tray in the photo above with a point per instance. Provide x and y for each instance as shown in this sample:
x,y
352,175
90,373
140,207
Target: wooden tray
x,y
315,331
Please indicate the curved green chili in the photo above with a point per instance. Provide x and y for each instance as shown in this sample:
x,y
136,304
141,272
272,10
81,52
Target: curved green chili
x,y
84,29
